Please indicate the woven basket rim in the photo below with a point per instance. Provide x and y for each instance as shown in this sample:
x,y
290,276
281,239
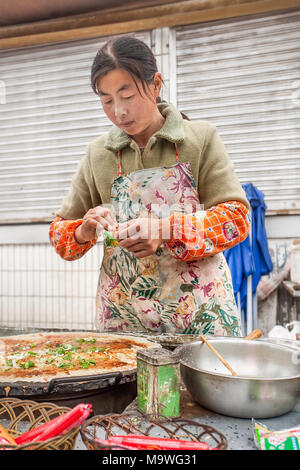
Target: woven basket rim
x,y
54,443
96,421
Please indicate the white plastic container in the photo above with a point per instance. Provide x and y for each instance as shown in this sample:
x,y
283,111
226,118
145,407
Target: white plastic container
x,y
295,263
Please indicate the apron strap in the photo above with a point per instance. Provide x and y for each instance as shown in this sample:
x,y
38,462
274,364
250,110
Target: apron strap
x,y
176,150
119,164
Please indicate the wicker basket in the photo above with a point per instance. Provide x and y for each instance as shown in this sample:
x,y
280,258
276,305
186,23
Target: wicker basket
x,y
32,414
106,426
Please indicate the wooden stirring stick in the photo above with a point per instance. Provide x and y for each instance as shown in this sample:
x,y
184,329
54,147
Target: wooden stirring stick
x,y
254,334
218,355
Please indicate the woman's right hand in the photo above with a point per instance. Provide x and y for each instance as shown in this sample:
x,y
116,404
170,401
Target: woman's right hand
x,y
94,222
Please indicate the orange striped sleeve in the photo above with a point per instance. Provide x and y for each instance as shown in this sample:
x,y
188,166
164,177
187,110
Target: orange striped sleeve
x,y
62,238
204,234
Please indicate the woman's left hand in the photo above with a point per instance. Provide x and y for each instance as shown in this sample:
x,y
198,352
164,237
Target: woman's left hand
x,y
144,235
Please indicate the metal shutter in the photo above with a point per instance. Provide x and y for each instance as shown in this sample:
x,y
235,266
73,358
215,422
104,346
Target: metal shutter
x,y
49,114
244,76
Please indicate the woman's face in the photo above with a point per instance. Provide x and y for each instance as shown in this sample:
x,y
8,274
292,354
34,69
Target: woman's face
x,y
129,108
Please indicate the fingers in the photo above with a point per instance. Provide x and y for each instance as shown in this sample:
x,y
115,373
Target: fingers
x,y
131,230
103,216
95,221
104,223
127,234
132,244
139,250
106,215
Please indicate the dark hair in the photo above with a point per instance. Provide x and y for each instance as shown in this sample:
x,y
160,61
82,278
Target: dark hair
x,y
127,53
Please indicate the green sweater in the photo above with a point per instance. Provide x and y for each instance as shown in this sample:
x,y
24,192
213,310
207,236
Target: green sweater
x,y
198,142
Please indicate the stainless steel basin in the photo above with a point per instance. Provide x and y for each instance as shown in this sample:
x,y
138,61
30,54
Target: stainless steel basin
x,y
268,382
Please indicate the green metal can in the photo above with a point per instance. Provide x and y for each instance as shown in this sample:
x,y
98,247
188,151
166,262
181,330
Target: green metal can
x,y
158,382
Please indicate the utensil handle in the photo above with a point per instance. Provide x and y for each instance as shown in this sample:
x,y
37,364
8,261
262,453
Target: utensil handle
x,y
254,334
218,355
56,383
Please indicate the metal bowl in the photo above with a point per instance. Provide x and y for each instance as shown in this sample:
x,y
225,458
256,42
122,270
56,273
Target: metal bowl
x,y
267,385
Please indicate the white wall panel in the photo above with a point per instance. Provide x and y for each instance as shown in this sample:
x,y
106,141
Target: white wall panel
x,y
48,117
39,289
244,76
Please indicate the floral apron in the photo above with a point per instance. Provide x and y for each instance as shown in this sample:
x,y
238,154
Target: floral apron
x,y
160,293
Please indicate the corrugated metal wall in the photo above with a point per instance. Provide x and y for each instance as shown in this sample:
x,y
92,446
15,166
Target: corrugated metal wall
x,y
241,74
49,116
244,76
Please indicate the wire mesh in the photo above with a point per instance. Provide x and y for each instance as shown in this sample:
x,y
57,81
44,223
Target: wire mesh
x,y
98,428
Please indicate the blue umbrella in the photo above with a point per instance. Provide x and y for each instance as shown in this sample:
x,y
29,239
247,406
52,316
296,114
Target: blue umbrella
x,y
251,257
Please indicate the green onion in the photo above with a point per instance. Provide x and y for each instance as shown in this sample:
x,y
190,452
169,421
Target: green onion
x,y
85,363
66,365
109,239
86,340
27,365
67,356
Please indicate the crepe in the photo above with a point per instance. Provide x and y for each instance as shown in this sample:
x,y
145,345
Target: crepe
x,y
40,357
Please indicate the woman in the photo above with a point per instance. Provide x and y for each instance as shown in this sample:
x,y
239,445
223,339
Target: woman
x,y
149,179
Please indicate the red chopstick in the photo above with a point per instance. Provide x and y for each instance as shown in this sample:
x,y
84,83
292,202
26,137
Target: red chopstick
x,y
57,426
137,442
